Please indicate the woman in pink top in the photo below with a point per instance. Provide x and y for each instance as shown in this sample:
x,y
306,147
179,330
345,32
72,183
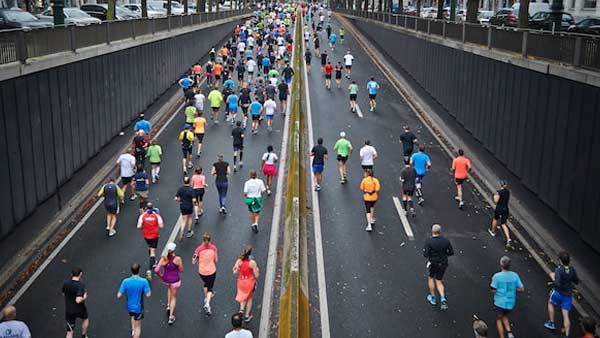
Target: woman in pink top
x,y
206,257
169,269
247,270
199,185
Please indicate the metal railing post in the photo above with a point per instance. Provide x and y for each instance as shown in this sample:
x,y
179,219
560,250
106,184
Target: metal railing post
x,y
396,20
405,21
444,29
21,47
489,37
133,28
107,25
464,32
429,27
169,23
72,39
524,43
416,24
577,52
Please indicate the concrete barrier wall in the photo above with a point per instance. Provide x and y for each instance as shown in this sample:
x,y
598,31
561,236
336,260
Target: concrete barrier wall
x,y
53,121
545,129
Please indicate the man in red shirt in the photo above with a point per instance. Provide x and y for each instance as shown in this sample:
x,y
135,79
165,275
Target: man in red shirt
x,y
150,222
328,71
461,166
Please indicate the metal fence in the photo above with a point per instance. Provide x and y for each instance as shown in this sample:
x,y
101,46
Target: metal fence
x,y
19,45
579,50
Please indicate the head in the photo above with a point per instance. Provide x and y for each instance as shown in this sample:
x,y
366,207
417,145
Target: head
x,y
505,263
588,324
342,134
252,174
135,269
220,157
368,173
149,207
154,142
422,149
436,230
503,184
320,141
187,126
198,170
186,180
407,162
564,258
142,117
353,81
372,78
461,152
140,168
76,272
246,253
406,129
367,142
206,238
171,249
236,321
270,148
9,312
238,124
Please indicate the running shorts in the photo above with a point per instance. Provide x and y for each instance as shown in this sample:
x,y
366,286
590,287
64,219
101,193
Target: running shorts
x,y
70,318
269,170
372,96
126,180
317,168
186,211
137,316
269,117
200,137
342,159
209,281
459,181
328,76
152,242
408,192
186,152
501,214
112,208
338,75
420,178
142,194
232,109
283,97
502,311
348,66
352,97
155,163
564,301
369,205
255,117
199,193
365,167
437,270
238,147
408,151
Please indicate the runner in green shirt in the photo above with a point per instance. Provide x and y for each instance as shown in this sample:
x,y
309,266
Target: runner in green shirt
x,y
342,32
215,98
154,153
353,88
190,113
343,147
273,73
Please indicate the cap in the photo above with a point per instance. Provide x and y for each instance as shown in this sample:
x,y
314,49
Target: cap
x,y
171,247
342,134
187,126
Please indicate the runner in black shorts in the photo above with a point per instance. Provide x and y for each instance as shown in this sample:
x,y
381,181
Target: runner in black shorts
x,y
437,249
307,59
186,198
338,74
501,198
75,296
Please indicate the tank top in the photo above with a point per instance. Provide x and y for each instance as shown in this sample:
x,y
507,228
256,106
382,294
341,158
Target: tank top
x,y
110,194
171,274
246,271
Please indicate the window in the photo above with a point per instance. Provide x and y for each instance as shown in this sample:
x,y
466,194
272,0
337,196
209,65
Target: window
x,y
589,3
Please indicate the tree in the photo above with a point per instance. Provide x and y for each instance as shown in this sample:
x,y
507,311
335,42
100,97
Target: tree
x,y
169,8
524,14
110,12
440,9
185,7
144,5
418,8
390,5
472,9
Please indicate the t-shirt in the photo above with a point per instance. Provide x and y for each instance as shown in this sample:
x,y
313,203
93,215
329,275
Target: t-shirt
x,y
232,101
254,187
197,69
186,195
408,140
353,88
111,193
318,152
408,175
199,125
229,83
73,289
242,333
287,72
564,279
266,62
143,125
186,83
190,114
370,187
127,162
18,329
283,90
238,136
199,101
367,155
215,98
221,171
150,221
332,38
323,58
186,137
372,86
420,161
270,106
461,166
328,69
140,181
343,147
269,158
154,153
218,69
198,181
251,65
348,60
503,201
506,284
135,288
437,249
255,108
207,257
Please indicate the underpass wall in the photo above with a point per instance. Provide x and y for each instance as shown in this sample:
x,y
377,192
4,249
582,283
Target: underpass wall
x,y
53,121
545,129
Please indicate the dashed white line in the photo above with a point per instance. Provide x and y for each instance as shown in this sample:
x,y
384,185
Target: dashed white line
x,y
359,112
173,234
402,214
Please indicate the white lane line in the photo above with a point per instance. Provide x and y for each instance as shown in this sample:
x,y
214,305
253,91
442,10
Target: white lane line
x,y
265,314
402,214
173,234
359,112
321,282
55,253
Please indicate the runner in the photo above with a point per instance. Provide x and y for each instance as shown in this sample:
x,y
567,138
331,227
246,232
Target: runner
x,y
461,167
353,89
332,41
186,137
284,91
141,186
408,140
247,270
154,155
342,33
328,30
142,124
368,155
269,109
245,101
199,185
266,65
307,59
218,71
126,164
505,285
240,69
134,288
501,198
319,155
588,325
343,147
221,171
140,144
206,257
251,67
199,130
197,71
171,266
372,88
328,69
75,297
215,98
186,198
113,196
370,187
253,190
338,74
316,44
436,250
16,328
287,73
185,83
348,60
323,59
238,330
209,74
269,159
408,175
564,278
421,162
212,53
256,110
238,144
150,222
232,107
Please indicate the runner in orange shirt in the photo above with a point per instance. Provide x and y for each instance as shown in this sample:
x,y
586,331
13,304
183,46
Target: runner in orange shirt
x,y
370,187
218,71
461,166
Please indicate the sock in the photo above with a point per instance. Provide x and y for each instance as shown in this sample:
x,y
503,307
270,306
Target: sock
x,y
241,155
152,261
157,171
443,298
404,204
419,193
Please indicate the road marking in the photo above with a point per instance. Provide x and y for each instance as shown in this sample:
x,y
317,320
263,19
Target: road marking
x,y
173,234
402,214
358,111
55,253
321,282
265,314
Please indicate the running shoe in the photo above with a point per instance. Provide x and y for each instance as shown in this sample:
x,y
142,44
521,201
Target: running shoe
x,y
248,319
190,165
461,204
420,201
317,188
149,275
189,234
456,198
369,228
412,212
112,233
444,304
508,243
241,164
168,310
493,234
550,325
431,299
255,228
208,310
171,320
132,198
510,335
269,192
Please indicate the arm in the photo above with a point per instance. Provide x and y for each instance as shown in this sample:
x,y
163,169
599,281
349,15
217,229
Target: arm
x,y
426,250
496,198
140,221
449,249
179,263
255,269
101,191
161,224
228,170
213,171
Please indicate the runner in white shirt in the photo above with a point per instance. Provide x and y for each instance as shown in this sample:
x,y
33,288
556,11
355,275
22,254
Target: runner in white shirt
x,y
238,331
250,42
253,190
368,155
269,108
269,159
127,164
348,59
241,48
199,101
10,327
250,67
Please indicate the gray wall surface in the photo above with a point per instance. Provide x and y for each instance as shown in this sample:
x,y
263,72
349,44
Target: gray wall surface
x,y
53,121
543,128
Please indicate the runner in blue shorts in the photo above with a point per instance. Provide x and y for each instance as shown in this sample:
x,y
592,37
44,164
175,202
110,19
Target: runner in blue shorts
x,y
421,162
319,155
565,278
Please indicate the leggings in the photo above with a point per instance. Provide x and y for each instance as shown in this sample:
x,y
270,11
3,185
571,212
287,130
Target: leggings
x,y
222,189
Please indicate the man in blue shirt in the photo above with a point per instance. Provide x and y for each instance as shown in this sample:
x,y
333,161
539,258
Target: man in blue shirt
x,y
332,40
372,88
232,107
505,285
421,162
266,65
229,83
143,124
141,186
185,83
565,278
255,110
134,288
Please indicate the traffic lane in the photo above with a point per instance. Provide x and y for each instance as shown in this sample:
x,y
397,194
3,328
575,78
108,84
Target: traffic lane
x,y
475,261
106,261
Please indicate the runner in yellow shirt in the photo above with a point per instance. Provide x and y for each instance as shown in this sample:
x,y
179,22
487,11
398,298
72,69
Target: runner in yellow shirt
x,y
199,126
186,137
215,98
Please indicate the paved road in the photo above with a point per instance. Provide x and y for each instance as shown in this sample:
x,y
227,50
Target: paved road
x,y
376,283
106,261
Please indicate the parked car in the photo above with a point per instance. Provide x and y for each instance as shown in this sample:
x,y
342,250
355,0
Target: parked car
x,y
484,17
461,15
17,18
504,17
176,7
534,7
73,16
545,21
153,11
100,11
587,26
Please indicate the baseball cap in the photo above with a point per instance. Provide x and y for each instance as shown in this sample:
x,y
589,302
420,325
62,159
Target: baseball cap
x,y
187,126
342,134
171,247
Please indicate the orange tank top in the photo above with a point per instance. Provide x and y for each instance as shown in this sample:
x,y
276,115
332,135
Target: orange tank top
x,y
246,271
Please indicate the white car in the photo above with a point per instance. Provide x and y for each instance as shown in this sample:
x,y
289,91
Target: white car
x,y
73,16
153,11
484,17
176,7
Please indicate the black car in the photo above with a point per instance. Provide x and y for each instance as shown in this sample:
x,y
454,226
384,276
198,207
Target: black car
x,y
587,26
18,18
504,17
545,20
